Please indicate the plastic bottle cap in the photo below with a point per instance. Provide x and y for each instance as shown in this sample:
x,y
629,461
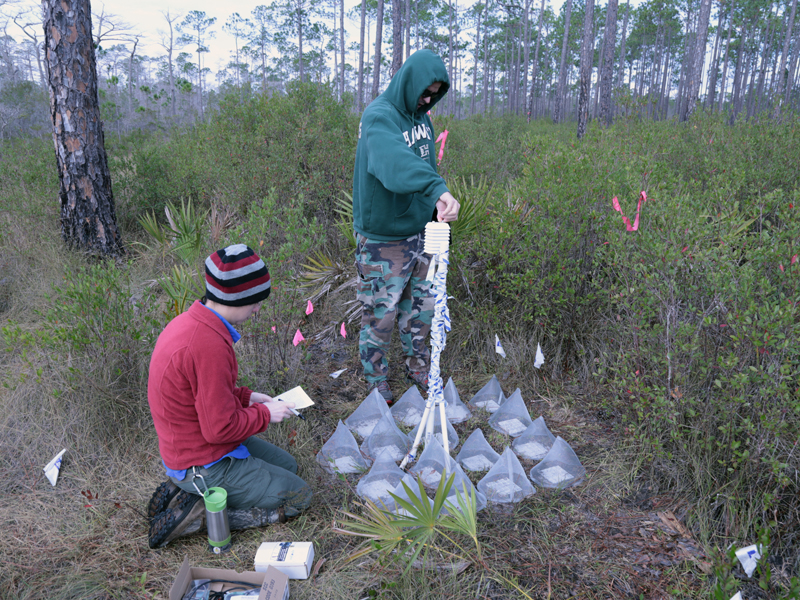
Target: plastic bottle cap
x,y
216,499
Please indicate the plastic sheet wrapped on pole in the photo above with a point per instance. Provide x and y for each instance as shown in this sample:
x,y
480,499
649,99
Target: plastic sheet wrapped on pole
x,y
437,244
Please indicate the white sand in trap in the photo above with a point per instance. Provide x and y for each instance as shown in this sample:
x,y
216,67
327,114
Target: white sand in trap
x,y
430,476
477,463
364,428
346,464
502,489
555,474
411,417
531,450
512,426
377,490
394,451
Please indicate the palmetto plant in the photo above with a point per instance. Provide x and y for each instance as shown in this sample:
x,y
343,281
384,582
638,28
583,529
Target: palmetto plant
x,y
409,539
183,238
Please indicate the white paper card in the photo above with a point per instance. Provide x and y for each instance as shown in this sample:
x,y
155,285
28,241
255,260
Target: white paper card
x,y
336,374
53,467
296,395
738,596
749,558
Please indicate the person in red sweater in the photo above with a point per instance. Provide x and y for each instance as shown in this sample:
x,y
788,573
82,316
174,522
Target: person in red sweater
x,y
206,425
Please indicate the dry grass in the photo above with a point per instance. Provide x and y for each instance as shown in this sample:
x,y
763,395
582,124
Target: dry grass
x,y
87,538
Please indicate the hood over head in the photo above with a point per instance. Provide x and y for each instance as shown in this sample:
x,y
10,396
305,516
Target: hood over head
x,y
420,70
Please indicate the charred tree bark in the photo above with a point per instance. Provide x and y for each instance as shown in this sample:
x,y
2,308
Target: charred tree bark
x,y
88,219
586,69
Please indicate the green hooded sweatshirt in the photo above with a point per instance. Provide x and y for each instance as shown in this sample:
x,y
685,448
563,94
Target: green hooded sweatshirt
x,y
395,183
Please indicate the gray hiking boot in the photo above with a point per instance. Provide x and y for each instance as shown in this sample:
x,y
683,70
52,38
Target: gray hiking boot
x,y
420,378
184,518
383,388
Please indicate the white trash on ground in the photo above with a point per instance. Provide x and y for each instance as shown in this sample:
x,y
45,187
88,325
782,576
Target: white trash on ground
x,y
559,468
53,468
455,411
535,442
749,557
476,453
435,414
409,408
340,454
506,481
383,477
368,413
386,437
489,397
512,417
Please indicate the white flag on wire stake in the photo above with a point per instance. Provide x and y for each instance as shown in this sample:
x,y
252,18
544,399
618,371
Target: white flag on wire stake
x,y
498,347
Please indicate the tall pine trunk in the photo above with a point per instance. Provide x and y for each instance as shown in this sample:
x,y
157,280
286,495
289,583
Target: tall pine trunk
x,y
724,84
782,77
361,56
88,216
698,57
341,44
562,72
586,69
376,65
535,61
622,50
609,42
397,35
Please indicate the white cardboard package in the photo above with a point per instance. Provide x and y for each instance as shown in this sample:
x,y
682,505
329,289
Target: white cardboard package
x,y
294,559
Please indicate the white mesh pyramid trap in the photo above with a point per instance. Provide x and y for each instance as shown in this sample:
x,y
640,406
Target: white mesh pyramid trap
x,y
386,437
368,413
340,454
455,411
452,436
534,442
560,468
476,453
432,463
462,484
383,477
409,408
400,492
489,397
512,417
503,484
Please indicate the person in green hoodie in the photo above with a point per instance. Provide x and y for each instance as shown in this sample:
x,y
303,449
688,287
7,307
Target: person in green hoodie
x,y
396,192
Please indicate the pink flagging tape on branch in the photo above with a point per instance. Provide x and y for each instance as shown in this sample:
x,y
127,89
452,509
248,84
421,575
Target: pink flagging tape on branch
x,y
442,138
298,337
626,220
309,308
343,331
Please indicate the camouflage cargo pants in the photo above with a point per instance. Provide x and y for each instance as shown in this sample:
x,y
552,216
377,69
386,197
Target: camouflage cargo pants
x,y
392,287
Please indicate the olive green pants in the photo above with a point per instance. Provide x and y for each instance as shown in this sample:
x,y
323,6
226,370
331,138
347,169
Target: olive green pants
x,y
266,479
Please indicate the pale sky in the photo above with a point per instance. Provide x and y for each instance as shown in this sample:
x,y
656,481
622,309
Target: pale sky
x,y
146,20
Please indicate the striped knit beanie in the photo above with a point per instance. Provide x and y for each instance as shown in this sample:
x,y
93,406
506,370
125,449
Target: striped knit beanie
x,y
236,276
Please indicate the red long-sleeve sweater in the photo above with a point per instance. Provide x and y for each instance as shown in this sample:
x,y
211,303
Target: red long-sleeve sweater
x,y
199,413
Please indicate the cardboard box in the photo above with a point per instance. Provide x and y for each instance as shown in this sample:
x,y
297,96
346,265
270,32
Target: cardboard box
x,y
274,584
295,559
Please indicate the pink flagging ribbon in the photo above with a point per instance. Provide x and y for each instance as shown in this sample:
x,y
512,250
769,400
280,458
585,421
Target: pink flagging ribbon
x,y
442,138
343,331
298,337
626,220
309,308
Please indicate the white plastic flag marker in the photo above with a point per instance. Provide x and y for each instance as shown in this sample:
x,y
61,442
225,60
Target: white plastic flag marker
x,y
749,558
539,357
738,596
498,347
336,374
53,467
